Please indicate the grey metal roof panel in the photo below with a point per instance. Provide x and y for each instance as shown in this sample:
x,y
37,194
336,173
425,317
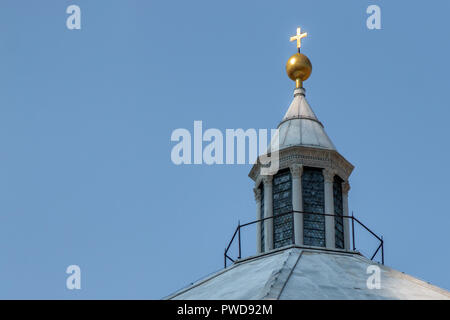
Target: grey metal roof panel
x,y
295,273
303,132
300,126
299,107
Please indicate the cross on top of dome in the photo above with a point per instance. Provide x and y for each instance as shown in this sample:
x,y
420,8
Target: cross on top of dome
x,y
298,37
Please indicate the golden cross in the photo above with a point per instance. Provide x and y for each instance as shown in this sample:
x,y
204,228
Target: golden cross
x,y
299,38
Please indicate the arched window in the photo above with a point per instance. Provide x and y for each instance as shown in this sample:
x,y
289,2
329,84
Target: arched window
x,y
283,228
313,202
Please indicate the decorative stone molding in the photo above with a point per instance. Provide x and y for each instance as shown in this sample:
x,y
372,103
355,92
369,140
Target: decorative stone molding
x,y
296,170
345,187
267,180
328,175
310,157
257,192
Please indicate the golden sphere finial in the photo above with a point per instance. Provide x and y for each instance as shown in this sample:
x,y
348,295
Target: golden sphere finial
x,y
298,66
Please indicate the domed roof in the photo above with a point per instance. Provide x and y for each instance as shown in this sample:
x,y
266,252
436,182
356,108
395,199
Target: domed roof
x,y
300,274
300,126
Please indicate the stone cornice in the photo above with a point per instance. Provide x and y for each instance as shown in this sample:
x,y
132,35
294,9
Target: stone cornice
x,y
310,157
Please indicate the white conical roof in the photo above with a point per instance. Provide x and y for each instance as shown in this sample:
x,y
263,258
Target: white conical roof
x,y
300,126
295,273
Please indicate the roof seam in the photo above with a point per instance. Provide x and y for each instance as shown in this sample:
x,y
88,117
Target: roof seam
x,y
301,117
274,276
285,135
290,273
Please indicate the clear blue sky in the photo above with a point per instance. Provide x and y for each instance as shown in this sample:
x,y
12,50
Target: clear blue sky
x,y
86,118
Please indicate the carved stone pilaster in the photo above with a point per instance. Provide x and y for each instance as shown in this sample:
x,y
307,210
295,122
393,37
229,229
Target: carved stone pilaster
x,y
259,215
328,175
296,171
297,202
345,190
268,212
267,180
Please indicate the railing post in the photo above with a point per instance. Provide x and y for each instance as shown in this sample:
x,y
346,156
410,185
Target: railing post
x,y
382,250
239,238
225,259
353,231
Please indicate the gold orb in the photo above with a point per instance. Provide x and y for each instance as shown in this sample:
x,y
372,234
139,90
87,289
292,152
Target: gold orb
x,y
298,67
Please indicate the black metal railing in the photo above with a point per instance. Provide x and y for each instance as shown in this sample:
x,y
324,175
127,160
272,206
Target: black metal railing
x,y
237,233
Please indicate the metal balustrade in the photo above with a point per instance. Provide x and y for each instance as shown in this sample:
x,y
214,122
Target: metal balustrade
x,y
237,234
